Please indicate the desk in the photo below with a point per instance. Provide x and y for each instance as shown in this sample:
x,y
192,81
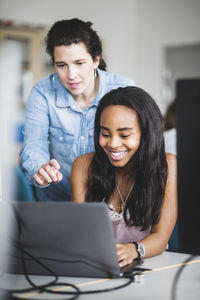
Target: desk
x,y
154,285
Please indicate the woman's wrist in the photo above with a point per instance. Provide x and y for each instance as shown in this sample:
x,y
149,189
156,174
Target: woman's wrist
x,y
140,250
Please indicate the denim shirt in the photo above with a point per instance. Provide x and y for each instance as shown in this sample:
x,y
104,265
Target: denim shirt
x,y
56,127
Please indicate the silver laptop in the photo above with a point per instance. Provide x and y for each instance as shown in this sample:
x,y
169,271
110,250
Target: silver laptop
x,y
70,239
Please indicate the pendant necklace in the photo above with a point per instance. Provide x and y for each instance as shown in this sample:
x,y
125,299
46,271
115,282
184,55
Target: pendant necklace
x,y
120,195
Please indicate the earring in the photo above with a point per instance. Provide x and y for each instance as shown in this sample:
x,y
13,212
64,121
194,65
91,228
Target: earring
x,y
95,73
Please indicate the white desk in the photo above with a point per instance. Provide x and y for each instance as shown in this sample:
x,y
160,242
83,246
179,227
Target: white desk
x,y
154,285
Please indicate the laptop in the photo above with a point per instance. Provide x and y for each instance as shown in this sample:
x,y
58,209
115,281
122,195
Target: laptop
x,y
70,239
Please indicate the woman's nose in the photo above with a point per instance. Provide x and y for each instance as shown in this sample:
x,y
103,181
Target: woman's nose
x,y
71,72
114,142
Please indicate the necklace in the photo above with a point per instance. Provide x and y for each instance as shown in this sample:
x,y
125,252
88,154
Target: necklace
x,y
120,195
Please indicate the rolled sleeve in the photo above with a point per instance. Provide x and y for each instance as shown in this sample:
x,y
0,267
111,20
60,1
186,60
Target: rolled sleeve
x,y
35,150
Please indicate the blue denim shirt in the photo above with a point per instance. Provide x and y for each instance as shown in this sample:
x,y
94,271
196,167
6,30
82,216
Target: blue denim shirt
x,y
56,127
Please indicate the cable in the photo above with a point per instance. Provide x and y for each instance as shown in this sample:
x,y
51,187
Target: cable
x,y
77,260
130,280
77,294
177,276
129,275
80,260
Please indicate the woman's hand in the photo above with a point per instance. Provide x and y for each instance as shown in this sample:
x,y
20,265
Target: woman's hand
x,y
126,253
48,173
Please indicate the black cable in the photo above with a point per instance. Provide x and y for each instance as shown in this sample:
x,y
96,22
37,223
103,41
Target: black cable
x,y
130,280
80,260
77,260
127,274
177,276
19,222
41,287
129,277
77,294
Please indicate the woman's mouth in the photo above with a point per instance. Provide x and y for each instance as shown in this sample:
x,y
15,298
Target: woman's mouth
x,y
117,155
74,85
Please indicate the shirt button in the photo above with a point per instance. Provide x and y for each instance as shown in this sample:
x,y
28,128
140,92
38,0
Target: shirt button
x,y
82,137
60,138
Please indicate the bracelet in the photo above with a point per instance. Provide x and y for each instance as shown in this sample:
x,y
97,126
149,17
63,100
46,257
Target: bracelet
x,y
140,250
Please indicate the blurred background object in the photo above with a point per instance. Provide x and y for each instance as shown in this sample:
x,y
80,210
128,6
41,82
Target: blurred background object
x,y
170,134
188,146
9,84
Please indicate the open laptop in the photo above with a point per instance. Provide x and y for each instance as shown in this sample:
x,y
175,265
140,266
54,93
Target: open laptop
x,y
71,239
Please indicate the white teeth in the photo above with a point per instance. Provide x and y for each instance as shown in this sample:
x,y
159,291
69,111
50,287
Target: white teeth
x,y
117,153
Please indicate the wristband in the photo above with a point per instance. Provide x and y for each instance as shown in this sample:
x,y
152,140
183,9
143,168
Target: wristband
x,y
140,250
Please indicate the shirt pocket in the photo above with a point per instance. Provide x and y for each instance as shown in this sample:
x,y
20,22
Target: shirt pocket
x,y
61,142
91,140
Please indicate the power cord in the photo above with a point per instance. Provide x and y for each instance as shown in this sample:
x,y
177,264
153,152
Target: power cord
x,y
177,276
45,288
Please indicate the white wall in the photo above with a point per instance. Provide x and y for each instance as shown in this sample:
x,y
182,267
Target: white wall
x,y
134,32
163,23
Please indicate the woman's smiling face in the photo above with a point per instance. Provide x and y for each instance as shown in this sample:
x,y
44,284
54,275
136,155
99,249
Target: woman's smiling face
x,y
120,134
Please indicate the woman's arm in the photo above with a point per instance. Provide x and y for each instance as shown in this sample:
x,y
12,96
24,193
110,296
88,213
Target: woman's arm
x,y
79,177
35,150
157,241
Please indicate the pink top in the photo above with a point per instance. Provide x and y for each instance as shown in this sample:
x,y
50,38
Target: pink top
x,y
122,232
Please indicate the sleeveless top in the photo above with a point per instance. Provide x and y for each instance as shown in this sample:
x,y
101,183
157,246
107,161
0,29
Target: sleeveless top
x,y
122,232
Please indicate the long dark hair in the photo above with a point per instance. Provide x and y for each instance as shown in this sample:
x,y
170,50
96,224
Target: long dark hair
x,y
73,31
149,163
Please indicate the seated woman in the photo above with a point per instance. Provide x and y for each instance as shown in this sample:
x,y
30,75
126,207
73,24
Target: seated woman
x,y
131,173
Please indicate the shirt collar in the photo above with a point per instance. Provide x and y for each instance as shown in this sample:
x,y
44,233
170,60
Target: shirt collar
x,y
62,94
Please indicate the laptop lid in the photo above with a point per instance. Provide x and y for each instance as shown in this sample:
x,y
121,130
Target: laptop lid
x,y
71,239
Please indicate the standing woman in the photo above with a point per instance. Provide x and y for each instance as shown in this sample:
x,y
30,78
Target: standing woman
x,y
61,108
131,173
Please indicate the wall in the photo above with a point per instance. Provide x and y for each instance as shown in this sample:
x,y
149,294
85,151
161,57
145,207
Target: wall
x,y
161,24
134,32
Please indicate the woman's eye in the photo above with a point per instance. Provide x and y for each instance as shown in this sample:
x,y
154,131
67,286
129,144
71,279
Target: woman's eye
x,y
124,136
60,66
105,134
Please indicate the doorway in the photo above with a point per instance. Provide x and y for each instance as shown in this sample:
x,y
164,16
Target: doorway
x,y
179,62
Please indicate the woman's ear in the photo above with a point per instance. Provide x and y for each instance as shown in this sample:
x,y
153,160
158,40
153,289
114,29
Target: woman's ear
x,y
97,61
